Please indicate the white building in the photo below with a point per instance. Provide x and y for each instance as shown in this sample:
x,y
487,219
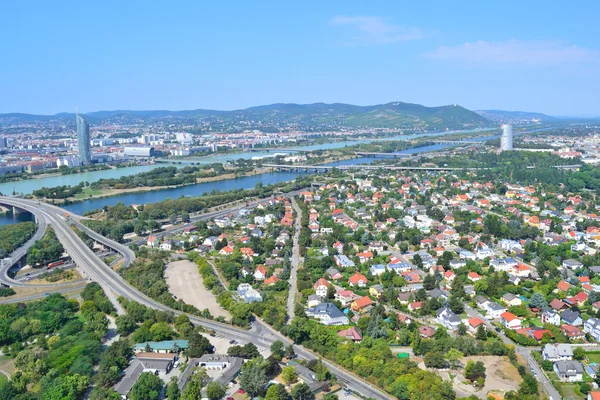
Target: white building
x,y
506,140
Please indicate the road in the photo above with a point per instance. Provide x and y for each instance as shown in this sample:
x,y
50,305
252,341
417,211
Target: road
x,y
295,262
114,285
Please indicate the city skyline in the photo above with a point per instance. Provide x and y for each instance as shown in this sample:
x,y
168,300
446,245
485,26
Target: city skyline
x,y
218,57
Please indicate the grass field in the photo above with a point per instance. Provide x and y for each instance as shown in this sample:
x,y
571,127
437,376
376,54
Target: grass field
x,y
593,356
3,380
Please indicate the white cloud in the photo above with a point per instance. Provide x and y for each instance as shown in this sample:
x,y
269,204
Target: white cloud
x,y
374,30
515,52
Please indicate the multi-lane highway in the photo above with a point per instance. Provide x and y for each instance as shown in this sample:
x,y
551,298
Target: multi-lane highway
x,y
114,285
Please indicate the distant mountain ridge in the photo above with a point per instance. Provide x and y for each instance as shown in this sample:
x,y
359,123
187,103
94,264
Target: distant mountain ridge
x,y
514,116
316,116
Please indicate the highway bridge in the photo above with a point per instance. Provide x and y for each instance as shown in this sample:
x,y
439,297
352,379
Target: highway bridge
x,y
114,285
364,167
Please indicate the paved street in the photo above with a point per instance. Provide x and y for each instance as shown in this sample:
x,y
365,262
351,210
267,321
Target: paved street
x,y
295,261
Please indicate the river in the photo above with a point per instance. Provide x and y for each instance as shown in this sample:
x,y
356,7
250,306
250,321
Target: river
x,y
192,190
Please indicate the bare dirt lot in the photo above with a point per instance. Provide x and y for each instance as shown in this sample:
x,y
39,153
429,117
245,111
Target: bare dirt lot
x,y
501,377
186,283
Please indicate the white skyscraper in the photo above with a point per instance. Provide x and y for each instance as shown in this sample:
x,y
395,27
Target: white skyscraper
x,y
506,140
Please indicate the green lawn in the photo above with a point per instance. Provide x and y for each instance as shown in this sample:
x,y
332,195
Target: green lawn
x,y
87,192
593,356
536,322
3,380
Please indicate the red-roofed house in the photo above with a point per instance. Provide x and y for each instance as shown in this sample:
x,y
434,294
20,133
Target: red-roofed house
x,y
225,251
474,323
353,334
365,256
358,279
474,276
572,332
426,331
260,273
361,304
415,305
563,286
510,320
271,281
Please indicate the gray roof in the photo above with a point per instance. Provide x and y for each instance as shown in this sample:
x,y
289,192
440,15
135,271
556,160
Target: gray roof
x,y
569,368
447,314
495,306
327,308
130,376
569,315
558,350
509,296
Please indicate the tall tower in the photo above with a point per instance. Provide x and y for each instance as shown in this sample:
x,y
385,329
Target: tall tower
x,y
83,140
506,140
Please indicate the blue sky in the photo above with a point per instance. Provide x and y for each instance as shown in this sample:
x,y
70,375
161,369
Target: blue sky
x,y
105,55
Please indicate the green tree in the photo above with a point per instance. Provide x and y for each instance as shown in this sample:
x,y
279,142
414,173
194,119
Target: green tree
x,y
481,333
161,331
302,392
579,353
538,301
277,349
474,370
289,375
276,392
253,377
456,305
214,391
462,329
454,356
147,387
198,346
125,324
172,392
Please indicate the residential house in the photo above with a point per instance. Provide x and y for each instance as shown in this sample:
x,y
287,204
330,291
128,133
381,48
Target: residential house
x,y
446,317
511,300
314,300
376,291
592,327
473,324
358,279
345,297
328,314
571,317
354,334
426,332
246,292
321,286
572,332
334,274
361,305
510,320
260,273
571,264
557,352
550,317
569,371
493,309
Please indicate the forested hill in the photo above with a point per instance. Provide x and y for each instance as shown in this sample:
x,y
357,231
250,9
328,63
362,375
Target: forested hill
x,y
306,117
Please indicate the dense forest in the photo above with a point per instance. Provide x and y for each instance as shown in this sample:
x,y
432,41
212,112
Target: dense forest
x,y
55,344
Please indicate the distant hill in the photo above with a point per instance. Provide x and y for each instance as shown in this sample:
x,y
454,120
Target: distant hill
x,y
308,117
514,116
